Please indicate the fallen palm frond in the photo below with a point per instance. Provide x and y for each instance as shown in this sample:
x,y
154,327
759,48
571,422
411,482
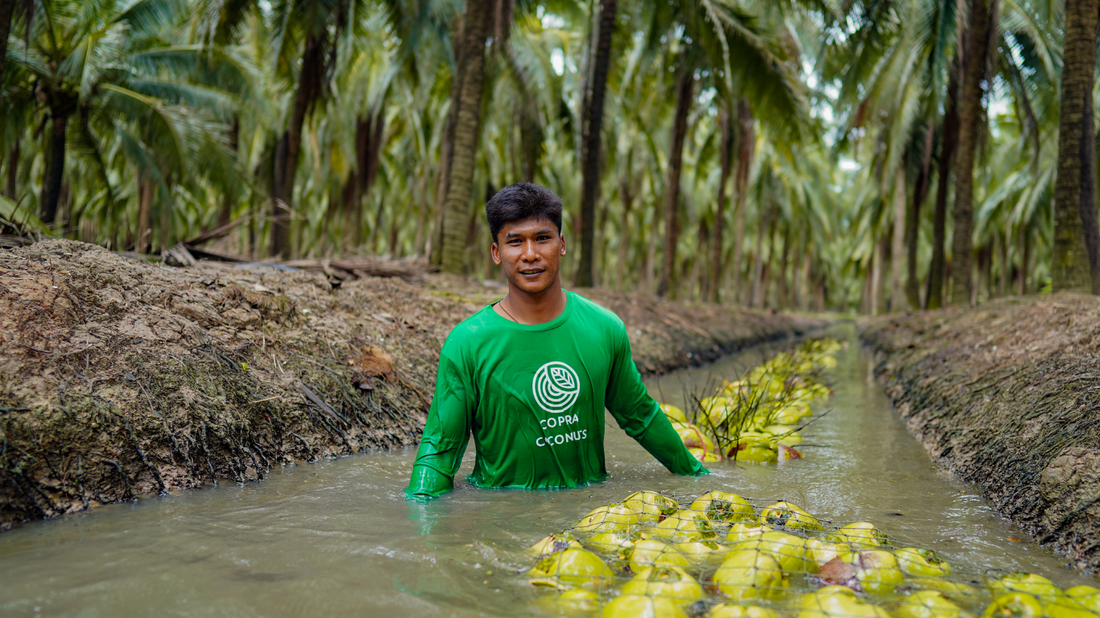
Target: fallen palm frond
x,y
754,418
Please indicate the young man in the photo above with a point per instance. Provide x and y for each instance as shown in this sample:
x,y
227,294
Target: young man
x,y
529,376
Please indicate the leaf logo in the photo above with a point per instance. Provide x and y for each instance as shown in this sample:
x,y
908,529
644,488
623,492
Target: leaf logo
x,y
556,387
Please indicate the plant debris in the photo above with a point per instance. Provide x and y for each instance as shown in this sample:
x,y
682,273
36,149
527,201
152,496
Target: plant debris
x,y
1007,396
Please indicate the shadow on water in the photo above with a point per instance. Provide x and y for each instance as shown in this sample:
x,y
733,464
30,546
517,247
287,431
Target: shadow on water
x,y
337,537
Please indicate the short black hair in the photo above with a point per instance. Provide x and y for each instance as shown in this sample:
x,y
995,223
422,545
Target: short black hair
x,y
521,201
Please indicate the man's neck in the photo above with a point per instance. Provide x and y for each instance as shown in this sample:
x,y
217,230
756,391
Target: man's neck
x,y
526,308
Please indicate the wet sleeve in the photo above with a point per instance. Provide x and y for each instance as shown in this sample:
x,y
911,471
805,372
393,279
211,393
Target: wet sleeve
x,y
641,417
446,434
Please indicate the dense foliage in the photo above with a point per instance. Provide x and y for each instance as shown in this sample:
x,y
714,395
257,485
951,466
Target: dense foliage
x,y
797,154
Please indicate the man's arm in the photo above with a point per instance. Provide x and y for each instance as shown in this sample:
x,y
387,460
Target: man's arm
x,y
446,434
641,417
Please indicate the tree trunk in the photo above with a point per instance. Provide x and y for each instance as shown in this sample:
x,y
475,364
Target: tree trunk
x,y
1025,257
7,9
937,271
1076,261
353,212
757,259
461,175
13,171
807,279
51,193
725,143
684,91
626,196
865,302
1006,266
592,122
699,262
446,148
145,209
226,212
897,250
781,280
746,140
309,88
970,109
368,145
421,213
912,225
165,211
878,278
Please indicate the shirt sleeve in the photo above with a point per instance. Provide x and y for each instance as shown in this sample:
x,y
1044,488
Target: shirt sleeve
x,y
446,433
641,417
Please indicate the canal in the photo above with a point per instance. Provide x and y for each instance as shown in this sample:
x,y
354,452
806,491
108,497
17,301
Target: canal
x,y
338,538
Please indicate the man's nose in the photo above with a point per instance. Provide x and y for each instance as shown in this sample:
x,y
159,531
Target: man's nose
x,y
529,253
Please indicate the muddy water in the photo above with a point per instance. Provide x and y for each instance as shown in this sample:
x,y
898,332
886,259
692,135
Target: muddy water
x,y
337,538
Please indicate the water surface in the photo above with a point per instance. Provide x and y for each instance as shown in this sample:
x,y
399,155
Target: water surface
x,y
338,538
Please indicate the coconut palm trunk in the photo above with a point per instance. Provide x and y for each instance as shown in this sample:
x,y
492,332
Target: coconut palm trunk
x,y
368,146
51,192
13,170
937,271
746,140
720,212
228,199
475,29
626,196
1025,258
1076,260
145,208
7,9
878,278
309,88
446,147
970,110
684,91
897,248
912,223
592,121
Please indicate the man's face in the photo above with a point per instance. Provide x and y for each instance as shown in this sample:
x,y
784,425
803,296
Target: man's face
x,y
530,251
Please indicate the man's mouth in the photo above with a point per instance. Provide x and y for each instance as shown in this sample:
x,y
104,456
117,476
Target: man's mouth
x,y
530,271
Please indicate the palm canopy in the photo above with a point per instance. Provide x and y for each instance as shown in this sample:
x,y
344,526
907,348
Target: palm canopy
x,y
324,127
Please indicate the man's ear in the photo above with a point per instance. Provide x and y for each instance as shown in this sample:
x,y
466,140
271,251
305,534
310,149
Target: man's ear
x,y
494,251
561,237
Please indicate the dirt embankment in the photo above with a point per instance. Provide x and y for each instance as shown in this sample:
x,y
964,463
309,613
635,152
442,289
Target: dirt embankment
x,y
1008,396
120,378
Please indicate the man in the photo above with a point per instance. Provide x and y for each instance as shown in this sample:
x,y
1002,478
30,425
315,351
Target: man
x,y
529,376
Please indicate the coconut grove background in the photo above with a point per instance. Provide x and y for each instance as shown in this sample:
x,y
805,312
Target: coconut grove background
x,y
875,155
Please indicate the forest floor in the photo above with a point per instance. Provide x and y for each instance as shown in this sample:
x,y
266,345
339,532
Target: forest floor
x,y
121,379
1007,396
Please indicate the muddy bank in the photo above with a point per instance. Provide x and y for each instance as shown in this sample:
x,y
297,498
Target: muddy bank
x,y
1007,396
120,379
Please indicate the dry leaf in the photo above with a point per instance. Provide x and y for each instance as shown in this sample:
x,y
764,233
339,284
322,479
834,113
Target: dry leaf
x,y
375,362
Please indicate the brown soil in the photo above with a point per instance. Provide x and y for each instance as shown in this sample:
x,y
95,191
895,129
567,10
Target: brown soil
x,y
1008,396
120,378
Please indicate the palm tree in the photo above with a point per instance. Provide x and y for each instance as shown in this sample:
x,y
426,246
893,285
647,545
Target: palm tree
x,y
466,89
975,47
117,88
704,35
725,146
306,38
592,123
1076,236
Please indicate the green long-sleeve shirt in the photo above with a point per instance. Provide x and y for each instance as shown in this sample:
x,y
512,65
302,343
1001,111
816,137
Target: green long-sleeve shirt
x,y
533,398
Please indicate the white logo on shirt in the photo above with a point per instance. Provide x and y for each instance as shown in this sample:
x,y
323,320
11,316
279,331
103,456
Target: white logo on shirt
x,y
556,387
